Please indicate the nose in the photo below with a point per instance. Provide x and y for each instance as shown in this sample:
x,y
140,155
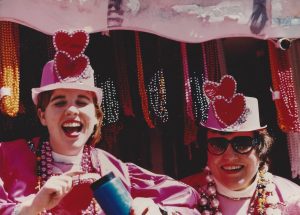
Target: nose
x,y
229,153
72,110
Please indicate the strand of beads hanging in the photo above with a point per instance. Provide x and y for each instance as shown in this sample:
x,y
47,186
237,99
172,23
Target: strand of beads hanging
x,y
141,83
209,204
158,96
187,84
200,102
44,165
9,69
264,200
110,104
267,201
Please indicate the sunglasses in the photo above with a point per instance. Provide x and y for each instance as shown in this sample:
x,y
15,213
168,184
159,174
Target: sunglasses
x,y
240,144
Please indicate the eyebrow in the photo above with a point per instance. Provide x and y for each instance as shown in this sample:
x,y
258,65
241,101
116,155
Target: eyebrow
x,y
62,97
57,97
84,97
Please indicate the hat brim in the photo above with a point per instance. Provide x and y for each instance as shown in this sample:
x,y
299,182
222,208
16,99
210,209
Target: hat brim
x,y
36,91
235,129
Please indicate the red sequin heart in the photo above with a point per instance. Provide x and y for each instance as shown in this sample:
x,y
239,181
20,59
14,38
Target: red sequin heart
x,y
74,44
228,112
225,88
68,67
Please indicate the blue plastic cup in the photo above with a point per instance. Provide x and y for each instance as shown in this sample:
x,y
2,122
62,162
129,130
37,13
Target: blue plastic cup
x,y
112,196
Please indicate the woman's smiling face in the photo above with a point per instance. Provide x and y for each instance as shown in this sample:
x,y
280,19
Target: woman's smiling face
x,y
235,171
70,118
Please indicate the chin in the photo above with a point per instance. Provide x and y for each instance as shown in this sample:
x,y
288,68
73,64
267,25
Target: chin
x,y
235,185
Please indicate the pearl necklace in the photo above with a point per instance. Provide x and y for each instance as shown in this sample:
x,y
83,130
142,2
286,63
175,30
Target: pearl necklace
x,y
263,202
44,168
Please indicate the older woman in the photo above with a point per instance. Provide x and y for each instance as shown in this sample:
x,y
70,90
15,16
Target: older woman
x,y
52,175
236,179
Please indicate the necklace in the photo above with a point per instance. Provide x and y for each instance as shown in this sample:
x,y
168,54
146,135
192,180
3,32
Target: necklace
x,y
44,171
263,202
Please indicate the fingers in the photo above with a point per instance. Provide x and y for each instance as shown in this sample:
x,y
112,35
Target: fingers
x,y
73,173
51,193
58,185
87,178
144,206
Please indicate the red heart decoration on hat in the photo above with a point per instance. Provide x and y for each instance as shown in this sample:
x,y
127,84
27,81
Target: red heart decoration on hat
x,y
225,88
72,43
67,67
229,112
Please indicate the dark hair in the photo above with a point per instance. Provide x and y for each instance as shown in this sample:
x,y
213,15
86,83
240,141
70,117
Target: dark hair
x,y
43,100
262,149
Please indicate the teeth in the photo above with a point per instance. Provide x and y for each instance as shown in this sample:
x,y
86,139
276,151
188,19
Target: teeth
x,y
71,124
232,167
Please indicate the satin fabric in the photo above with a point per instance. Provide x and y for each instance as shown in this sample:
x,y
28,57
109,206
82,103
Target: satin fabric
x,y
287,192
18,182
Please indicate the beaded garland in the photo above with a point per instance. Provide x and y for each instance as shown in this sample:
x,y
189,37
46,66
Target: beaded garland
x,y
200,102
187,84
9,68
211,61
282,80
110,104
44,161
121,68
190,128
263,202
141,83
158,96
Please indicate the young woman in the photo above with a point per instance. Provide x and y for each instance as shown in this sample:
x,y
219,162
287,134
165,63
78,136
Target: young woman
x,y
53,174
236,179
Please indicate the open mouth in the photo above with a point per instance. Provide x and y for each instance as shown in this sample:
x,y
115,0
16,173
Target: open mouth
x,y
232,168
72,128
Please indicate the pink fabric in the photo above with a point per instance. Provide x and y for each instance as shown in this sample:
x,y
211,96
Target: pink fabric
x,y
287,192
18,179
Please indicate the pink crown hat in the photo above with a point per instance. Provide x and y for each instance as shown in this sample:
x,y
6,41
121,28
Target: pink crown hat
x,y
229,111
70,68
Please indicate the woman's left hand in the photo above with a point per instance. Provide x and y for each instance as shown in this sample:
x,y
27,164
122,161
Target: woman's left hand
x,y
144,206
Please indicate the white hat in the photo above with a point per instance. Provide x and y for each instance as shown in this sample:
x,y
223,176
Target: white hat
x,y
230,111
70,68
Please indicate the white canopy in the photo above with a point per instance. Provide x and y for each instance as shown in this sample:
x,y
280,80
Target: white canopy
x,y
182,20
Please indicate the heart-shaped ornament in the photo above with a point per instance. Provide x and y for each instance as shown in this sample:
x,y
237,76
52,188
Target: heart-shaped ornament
x,y
225,88
68,67
72,43
228,112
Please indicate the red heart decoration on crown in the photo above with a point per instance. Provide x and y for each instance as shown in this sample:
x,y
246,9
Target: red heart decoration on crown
x,y
67,67
225,88
229,112
72,43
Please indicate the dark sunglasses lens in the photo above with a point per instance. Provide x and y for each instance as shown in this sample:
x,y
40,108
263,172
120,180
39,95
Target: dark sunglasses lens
x,y
243,145
217,145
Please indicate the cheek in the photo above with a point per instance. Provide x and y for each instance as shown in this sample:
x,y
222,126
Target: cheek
x,y
254,161
212,161
90,115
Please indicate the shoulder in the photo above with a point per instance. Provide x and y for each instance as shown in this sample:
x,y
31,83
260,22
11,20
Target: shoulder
x,y
287,189
283,183
18,144
197,180
106,161
104,154
13,144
